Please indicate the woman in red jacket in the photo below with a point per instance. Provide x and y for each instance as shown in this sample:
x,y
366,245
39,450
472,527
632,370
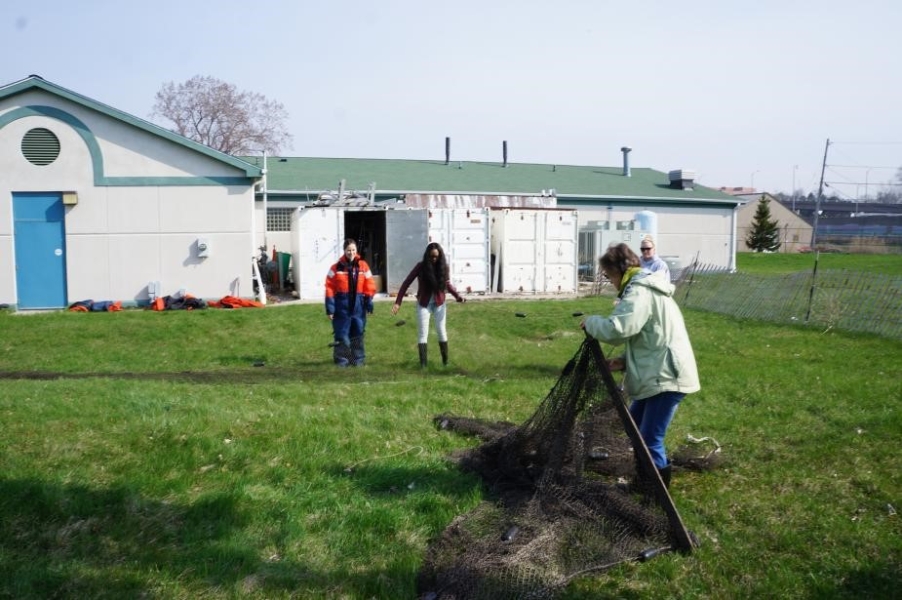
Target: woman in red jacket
x,y
349,298
433,280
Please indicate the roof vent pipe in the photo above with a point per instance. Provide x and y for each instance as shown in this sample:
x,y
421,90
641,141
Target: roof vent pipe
x,y
626,160
504,151
447,151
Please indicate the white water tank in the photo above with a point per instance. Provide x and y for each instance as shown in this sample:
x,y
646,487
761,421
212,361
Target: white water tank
x,y
648,222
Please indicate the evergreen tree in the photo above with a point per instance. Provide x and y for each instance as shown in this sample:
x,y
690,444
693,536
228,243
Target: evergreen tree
x,y
765,232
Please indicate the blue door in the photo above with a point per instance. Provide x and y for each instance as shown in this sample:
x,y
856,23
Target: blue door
x,y
40,234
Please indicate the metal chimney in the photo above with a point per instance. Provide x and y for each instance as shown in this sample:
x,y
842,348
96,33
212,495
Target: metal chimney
x,y
504,151
447,151
626,160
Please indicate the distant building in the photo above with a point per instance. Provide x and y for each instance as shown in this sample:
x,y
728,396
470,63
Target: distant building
x,y
795,232
738,191
689,220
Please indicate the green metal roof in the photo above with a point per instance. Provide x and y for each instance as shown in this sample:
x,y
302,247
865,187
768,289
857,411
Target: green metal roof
x,y
300,178
38,82
297,177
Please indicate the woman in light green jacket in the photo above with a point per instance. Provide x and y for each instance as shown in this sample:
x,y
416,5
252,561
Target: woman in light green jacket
x,y
658,362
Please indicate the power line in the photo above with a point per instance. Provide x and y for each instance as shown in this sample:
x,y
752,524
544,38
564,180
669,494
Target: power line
x,y
869,143
863,167
868,183
838,191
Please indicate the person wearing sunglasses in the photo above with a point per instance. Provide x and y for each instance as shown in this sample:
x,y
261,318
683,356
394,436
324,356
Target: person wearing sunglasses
x,y
658,362
649,259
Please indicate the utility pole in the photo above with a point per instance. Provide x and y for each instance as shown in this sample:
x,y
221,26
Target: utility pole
x,y
794,169
820,194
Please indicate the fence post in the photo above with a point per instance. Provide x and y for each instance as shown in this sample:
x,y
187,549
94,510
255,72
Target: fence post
x,y
817,256
692,268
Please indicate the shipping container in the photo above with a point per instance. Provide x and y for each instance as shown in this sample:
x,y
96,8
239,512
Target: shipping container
x,y
534,250
391,240
464,235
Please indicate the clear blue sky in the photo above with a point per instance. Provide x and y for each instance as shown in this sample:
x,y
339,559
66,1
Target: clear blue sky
x,y
742,92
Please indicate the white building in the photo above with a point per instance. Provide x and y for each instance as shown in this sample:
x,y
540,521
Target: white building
x,y
96,204
614,204
101,205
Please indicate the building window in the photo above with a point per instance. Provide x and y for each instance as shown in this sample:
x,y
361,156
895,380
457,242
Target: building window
x,y
278,219
40,146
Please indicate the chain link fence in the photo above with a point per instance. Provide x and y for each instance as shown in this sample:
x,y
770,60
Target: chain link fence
x,y
826,299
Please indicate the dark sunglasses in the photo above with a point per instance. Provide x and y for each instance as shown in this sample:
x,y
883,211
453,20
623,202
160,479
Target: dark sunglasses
x,y
644,249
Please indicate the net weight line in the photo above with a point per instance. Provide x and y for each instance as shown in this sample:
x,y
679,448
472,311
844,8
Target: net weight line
x,y
559,504
684,539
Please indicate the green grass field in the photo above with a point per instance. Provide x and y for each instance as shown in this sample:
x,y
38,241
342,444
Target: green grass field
x,y
853,293
779,264
145,455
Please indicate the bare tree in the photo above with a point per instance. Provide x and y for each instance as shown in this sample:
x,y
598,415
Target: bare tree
x,y
892,190
218,115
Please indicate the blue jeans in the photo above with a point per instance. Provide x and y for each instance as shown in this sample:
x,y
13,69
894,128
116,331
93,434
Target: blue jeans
x,y
348,331
653,416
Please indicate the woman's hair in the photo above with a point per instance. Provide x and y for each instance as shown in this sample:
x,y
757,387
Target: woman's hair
x,y
348,242
618,257
433,276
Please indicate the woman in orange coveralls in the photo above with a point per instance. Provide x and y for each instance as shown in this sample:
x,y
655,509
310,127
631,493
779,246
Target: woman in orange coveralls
x,y
349,298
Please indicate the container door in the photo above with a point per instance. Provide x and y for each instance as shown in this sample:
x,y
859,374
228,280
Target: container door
x,y
316,237
406,236
40,246
561,251
464,234
522,260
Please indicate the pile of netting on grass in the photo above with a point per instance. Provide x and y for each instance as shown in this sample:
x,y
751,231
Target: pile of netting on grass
x,y
572,494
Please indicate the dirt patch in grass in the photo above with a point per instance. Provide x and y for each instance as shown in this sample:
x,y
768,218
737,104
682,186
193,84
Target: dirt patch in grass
x,y
230,377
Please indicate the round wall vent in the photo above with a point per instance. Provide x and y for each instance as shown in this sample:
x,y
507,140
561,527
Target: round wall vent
x,y
40,146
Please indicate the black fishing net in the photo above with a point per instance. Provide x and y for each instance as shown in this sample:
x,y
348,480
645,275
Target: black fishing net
x,y
573,490
348,352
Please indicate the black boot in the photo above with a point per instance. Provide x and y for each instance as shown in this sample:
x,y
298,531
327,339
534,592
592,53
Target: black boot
x,y
443,346
422,348
665,474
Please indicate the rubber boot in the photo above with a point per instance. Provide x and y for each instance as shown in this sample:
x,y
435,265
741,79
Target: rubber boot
x,y
422,349
443,346
341,352
358,352
666,473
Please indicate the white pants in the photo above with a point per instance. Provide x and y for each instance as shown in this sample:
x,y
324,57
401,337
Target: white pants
x,y
439,313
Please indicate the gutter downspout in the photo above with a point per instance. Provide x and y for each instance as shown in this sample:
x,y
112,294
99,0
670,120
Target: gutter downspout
x,y
734,224
253,225
261,290
265,215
